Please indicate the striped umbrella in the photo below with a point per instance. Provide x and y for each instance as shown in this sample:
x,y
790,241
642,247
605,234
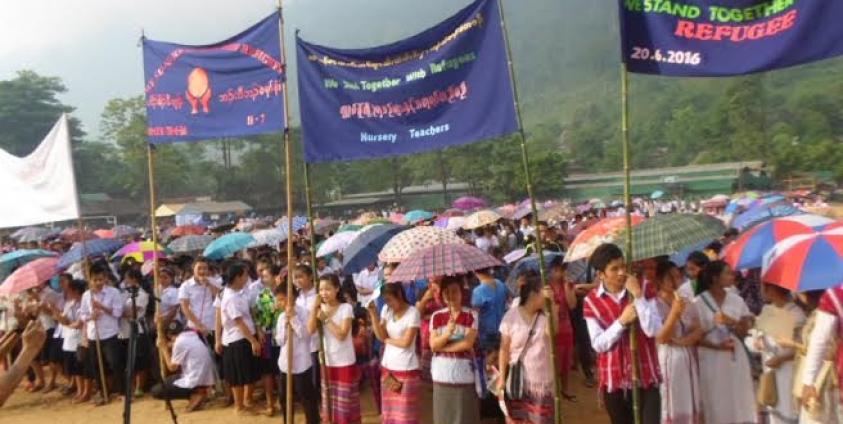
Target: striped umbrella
x,y
141,251
17,258
665,235
408,242
806,262
30,275
87,249
227,245
748,250
191,243
442,260
598,233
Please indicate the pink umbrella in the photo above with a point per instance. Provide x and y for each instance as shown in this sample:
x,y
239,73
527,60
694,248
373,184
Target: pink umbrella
x,y
397,218
30,275
104,233
468,203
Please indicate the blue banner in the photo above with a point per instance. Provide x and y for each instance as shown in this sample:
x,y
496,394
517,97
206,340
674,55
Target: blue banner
x,y
229,89
447,86
727,37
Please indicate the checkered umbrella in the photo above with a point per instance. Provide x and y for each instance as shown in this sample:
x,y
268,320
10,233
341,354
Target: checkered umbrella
x,y
665,235
190,243
408,242
442,260
30,275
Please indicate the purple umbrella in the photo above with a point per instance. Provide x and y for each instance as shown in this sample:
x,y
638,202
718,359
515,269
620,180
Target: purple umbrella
x,y
468,203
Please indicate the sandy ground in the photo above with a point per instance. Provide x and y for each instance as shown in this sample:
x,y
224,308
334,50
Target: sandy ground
x,y
26,408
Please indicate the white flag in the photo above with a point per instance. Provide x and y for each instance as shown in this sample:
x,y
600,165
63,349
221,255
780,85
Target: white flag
x,y
40,187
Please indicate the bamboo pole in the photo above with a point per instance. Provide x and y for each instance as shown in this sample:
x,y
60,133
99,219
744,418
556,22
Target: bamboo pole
x,y
322,360
86,272
627,194
557,382
156,288
288,170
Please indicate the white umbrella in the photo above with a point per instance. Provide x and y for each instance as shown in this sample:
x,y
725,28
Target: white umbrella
x,y
336,243
270,237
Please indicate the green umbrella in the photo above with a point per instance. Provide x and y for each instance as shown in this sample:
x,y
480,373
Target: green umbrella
x,y
665,235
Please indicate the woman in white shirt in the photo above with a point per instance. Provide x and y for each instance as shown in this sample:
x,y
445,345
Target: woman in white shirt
x,y
302,369
398,328
342,375
241,348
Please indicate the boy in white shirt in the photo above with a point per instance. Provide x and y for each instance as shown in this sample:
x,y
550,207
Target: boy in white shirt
x,y
302,368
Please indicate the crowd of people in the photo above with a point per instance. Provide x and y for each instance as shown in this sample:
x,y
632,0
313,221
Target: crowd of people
x,y
220,328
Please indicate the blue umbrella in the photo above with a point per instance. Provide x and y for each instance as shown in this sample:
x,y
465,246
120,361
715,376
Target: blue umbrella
x,y
764,212
228,245
363,251
417,216
680,258
87,249
530,263
12,260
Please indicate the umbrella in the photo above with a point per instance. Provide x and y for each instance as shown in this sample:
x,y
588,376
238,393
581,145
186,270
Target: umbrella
x,y
187,230
416,216
408,242
748,250
506,211
658,194
30,275
764,212
468,203
529,263
30,234
680,258
806,262
665,235
555,213
349,227
397,218
522,212
190,243
363,251
80,251
451,223
73,234
271,237
141,251
481,219
122,231
450,213
515,255
336,243
596,234
442,260
102,233
324,226
14,259
227,245
299,223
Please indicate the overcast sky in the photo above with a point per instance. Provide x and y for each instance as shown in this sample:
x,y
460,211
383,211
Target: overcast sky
x,y
92,45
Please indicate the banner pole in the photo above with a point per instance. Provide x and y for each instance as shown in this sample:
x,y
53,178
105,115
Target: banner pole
x,y
87,273
314,269
557,382
288,171
156,288
627,194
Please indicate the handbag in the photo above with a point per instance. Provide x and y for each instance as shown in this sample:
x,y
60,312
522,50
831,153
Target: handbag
x,y
767,394
515,378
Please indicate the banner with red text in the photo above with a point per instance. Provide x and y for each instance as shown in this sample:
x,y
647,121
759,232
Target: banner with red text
x,y
229,89
727,37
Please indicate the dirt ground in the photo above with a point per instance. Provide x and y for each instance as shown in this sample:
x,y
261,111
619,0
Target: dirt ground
x,y
26,408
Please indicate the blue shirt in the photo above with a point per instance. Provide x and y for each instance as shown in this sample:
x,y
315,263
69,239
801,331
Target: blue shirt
x,y
490,303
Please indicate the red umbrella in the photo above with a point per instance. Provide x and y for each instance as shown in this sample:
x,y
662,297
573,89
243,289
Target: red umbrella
x,y
187,230
442,260
30,275
101,233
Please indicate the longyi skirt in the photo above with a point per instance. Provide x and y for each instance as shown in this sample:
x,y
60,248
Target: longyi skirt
x,y
240,366
341,385
401,407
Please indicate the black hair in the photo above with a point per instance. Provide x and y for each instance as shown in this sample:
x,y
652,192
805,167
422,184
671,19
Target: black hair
x,y
731,232
663,268
395,290
603,255
78,286
348,288
99,269
174,328
66,276
201,259
275,270
281,290
451,280
533,284
235,269
334,281
716,246
558,261
134,274
698,258
709,274
167,270
781,290
304,269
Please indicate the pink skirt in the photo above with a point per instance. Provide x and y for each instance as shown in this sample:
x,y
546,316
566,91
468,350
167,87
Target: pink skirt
x,y
340,384
401,407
